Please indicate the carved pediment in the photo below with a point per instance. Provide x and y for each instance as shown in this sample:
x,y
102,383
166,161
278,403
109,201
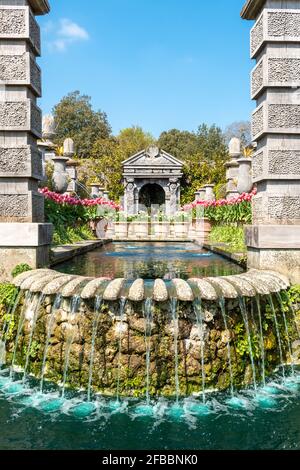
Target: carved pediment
x,y
152,157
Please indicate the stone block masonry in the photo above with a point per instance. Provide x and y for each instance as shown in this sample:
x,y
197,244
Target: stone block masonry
x,y
273,239
24,237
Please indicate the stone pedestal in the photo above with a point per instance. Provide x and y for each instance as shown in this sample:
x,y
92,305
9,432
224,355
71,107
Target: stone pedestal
x,y
20,127
232,168
71,169
244,183
209,192
273,240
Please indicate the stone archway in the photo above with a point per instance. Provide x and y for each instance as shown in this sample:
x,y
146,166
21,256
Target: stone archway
x,y
152,194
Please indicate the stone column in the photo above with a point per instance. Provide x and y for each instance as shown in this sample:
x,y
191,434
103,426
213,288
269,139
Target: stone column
x,y
129,197
197,196
72,174
20,127
95,190
274,239
45,145
209,192
174,196
232,167
244,182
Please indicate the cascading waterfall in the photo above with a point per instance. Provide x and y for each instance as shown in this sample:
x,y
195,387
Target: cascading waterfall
x,y
287,332
243,309
7,325
55,307
292,309
176,331
120,326
33,325
96,320
37,320
148,331
261,340
75,303
271,303
223,311
28,304
199,318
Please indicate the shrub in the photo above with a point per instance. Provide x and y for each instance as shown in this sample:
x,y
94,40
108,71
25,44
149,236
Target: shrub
x,y
20,268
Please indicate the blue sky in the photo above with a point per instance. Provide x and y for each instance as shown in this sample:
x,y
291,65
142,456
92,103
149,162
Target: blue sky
x,y
160,64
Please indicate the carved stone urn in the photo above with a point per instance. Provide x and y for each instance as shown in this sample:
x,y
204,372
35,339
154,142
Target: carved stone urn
x,y
245,182
60,175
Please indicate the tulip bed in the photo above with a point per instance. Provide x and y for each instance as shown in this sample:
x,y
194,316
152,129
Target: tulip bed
x,y
70,216
228,217
236,210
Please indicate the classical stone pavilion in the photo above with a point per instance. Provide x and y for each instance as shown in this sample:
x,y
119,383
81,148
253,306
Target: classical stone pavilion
x,y
152,180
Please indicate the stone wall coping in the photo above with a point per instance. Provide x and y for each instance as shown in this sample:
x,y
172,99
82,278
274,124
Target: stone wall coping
x,y
252,8
39,7
211,288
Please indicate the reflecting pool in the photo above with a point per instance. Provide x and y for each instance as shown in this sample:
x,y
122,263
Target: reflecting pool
x,y
150,261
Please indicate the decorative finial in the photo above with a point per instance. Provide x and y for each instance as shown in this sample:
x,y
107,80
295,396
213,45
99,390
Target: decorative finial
x,y
48,127
69,148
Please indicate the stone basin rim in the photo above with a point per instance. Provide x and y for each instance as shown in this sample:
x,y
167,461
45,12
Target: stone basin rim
x,y
182,288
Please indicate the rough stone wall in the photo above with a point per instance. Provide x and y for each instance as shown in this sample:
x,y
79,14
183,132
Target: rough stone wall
x,y
162,360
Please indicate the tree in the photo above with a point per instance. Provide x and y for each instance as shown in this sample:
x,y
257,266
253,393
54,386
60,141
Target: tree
x,y
207,165
133,139
180,144
75,118
241,130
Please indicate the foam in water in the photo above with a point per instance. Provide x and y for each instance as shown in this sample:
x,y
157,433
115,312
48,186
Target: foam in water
x,y
144,410
265,401
198,409
52,405
176,411
83,410
237,403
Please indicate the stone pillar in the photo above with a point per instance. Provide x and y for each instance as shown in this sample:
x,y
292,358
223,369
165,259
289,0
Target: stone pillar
x,y
106,195
95,190
20,127
197,196
274,239
129,197
232,168
72,175
173,187
46,146
244,182
209,192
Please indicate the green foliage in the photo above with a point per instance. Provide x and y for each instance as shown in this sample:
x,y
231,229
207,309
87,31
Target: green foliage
x,y
181,144
8,294
231,235
75,118
20,268
242,342
69,235
70,222
34,350
206,166
236,213
107,156
294,294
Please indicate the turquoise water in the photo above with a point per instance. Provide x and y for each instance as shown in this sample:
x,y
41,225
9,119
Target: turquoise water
x,y
150,261
269,419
